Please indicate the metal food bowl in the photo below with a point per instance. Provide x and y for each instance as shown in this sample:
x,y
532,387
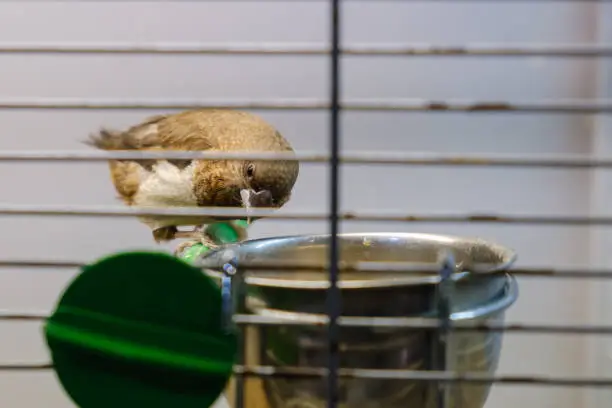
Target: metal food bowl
x,y
383,293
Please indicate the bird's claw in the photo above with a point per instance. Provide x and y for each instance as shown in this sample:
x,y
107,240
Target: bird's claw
x,y
208,242
183,246
203,239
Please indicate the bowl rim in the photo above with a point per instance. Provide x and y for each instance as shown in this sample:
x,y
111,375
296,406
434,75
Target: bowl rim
x,y
507,255
499,304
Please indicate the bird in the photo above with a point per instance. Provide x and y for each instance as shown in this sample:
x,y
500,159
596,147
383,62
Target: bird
x,y
199,183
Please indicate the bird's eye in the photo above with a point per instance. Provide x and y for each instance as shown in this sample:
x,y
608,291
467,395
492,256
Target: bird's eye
x,y
250,170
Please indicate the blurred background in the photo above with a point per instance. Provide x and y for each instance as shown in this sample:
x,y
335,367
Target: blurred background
x,y
431,190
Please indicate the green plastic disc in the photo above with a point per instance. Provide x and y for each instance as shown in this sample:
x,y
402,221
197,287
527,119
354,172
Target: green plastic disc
x,y
193,252
227,232
221,233
141,330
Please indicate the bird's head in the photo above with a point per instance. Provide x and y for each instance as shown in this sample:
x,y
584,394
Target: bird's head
x,y
241,183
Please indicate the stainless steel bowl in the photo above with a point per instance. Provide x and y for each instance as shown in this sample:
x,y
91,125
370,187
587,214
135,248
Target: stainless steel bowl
x,y
302,294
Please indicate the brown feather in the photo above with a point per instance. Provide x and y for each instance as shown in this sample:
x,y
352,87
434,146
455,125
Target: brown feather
x,y
202,130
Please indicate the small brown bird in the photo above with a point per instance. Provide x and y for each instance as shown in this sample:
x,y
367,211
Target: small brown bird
x,y
193,183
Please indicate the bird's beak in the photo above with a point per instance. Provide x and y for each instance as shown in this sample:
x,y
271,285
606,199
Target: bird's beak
x,y
251,198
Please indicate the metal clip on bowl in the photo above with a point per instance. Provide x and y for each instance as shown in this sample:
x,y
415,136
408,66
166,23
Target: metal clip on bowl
x,y
230,281
230,288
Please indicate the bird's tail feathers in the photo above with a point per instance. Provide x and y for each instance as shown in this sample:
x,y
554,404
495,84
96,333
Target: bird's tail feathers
x,y
140,137
109,140
143,136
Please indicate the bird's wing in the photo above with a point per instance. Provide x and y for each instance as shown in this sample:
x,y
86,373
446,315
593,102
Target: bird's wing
x,y
144,136
152,134
199,130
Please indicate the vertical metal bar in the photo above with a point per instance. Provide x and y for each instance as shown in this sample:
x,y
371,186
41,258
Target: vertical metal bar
x,y
239,387
442,352
334,300
234,302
